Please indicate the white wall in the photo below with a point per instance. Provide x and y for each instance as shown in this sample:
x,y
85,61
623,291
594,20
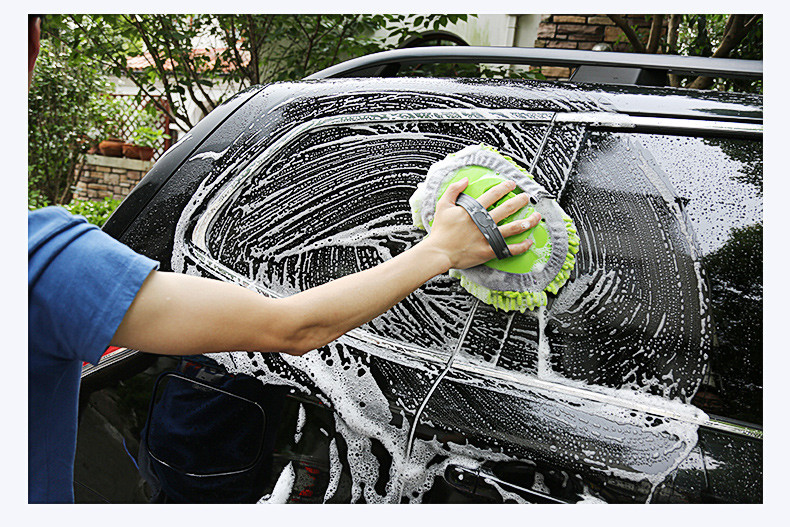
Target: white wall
x,y
127,87
498,30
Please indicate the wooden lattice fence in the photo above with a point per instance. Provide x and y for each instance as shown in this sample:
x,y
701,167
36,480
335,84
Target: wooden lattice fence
x,y
132,110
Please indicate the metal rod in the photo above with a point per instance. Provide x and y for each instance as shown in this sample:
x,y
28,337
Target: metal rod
x,y
718,67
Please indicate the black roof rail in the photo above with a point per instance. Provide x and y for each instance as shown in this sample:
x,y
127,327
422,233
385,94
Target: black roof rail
x,y
677,64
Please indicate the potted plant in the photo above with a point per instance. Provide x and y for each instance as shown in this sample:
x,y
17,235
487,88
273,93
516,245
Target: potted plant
x,y
146,138
131,151
112,145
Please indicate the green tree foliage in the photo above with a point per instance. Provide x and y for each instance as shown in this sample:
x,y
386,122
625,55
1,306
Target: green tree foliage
x,y
182,57
66,114
290,47
733,36
165,41
718,35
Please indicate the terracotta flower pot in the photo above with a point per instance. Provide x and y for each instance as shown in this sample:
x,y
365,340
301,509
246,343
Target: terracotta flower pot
x,y
131,151
145,153
111,147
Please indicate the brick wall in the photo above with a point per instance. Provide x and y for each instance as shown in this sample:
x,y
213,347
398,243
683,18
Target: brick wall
x,y
112,177
584,32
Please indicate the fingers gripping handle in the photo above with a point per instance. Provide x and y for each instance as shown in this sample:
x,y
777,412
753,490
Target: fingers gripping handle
x,y
486,224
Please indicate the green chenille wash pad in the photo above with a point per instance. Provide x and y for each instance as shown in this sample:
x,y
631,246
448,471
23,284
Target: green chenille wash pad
x,y
519,282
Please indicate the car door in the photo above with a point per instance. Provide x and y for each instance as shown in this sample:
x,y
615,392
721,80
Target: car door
x,y
661,319
329,198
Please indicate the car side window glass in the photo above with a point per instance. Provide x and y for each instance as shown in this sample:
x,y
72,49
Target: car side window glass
x,y
666,296
333,200
720,184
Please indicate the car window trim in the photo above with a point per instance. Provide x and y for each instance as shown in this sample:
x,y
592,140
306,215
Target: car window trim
x,y
471,370
619,121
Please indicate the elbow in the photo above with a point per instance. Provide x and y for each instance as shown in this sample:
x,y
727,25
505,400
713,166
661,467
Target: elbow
x,y
301,334
307,339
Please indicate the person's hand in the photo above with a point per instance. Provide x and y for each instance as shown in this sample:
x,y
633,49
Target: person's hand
x,y
456,235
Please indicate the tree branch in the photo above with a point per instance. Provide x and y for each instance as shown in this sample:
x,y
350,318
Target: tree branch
x,y
346,25
672,41
736,32
270,21
160,68
752,21
301,27
229,30
629,32
655,33
732,37
329,29
254,43
71,180
111,61
311,43
191,70
174,65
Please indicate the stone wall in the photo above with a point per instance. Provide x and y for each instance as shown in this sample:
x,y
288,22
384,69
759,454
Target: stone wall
x,y
112,177
584,32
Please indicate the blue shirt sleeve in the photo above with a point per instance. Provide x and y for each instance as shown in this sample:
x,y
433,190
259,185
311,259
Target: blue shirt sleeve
x,y
81,282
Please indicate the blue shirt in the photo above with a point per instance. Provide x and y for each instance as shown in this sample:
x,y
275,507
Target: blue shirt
x,y
80,284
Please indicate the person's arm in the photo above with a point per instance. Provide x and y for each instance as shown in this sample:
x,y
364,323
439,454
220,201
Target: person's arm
x,y
181,315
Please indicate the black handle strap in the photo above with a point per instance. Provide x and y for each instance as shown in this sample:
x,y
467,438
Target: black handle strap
x,y
486,224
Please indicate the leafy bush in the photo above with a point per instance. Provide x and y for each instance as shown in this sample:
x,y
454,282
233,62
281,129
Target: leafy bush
x,y
66,115
258,49
95,212
35,200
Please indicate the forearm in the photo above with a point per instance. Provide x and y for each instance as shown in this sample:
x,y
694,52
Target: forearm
x,y
178,314
336,307
182,315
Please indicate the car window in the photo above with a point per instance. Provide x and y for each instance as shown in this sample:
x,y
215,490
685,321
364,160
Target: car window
x,y
720,184
641,324
333,200
666,296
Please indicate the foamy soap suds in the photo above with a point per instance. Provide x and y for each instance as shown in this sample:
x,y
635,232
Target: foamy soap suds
x,y
282,489
300,423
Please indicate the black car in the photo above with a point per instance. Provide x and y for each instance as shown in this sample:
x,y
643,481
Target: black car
x,y
640,381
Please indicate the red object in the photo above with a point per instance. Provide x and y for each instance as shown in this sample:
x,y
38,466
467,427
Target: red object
x,y
106,352
145,153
